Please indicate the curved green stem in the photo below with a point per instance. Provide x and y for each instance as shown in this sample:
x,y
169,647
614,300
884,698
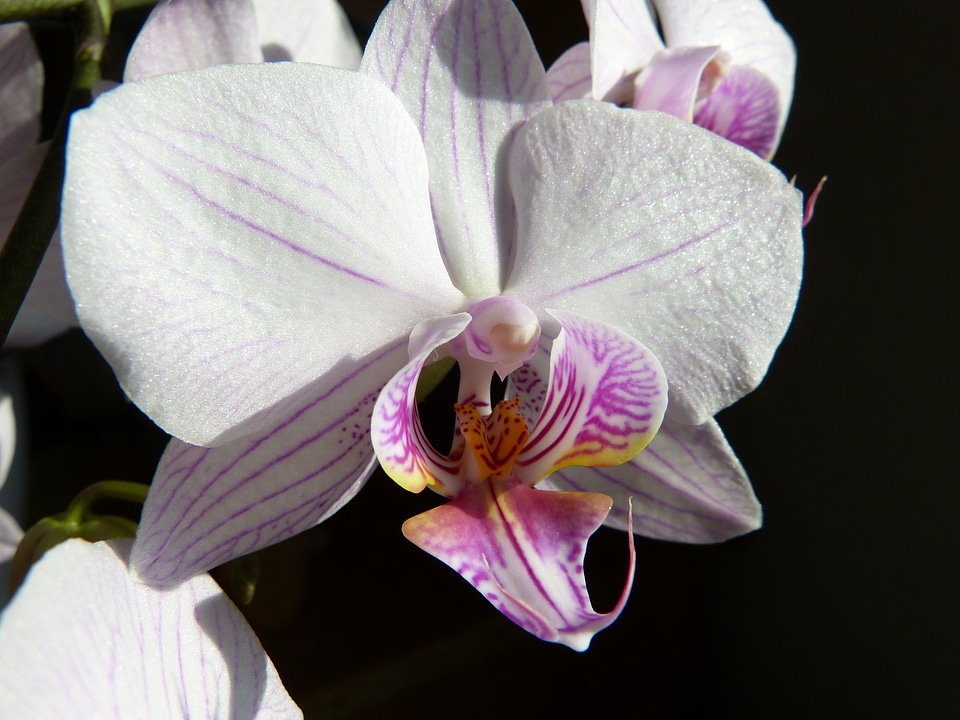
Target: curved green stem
x,y
79,508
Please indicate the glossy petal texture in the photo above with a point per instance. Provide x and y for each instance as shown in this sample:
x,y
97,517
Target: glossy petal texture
x,y
10,532
82,639
314,31
744,29
604,401
523,549
469,75
682,240
569,77
687,485
398,438
744,109
623,39
212,253
187,34
209,505
21,91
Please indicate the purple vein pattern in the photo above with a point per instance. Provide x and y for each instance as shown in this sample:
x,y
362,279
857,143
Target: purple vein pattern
x,y
268,200
469,78
134,651
711,278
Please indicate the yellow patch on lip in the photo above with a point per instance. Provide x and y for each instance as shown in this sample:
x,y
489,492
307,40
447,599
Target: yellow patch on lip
x,y
494,441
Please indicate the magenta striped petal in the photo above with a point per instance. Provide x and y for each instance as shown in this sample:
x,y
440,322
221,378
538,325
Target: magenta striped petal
x,y
209,505
248,228
398,438
83,639
189,34
523,549
744,109
604,401
469,75
682,240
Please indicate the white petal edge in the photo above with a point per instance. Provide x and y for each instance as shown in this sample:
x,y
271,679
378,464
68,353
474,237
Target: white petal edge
x,y
82,639
314,31
684,241
232,233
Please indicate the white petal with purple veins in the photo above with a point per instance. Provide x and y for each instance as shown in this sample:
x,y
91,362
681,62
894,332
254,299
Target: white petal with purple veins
x,y
623,38
469,75
569,77
686,242
314,31
82,639
210,505
189,34
254,226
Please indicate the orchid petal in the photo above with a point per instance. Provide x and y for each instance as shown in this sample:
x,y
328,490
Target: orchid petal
x,y
398,438
605,399
523,549
569,77
10,531
671,82
469,75
82,639
21,91
687,486
189,34
743,28
624,38
214,238
207,506
678,238
744,109
314,31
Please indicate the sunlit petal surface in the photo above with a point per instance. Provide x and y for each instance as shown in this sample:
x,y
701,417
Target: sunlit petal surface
x,y
82,639
569,77
682,240
315,31
469,75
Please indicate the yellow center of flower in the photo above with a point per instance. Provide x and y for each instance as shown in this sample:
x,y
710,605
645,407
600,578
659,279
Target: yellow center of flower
x,y
492,443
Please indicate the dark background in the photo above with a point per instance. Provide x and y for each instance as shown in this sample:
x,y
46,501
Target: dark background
x,y
843,604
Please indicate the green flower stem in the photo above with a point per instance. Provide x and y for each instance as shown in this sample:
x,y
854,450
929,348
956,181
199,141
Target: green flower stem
x,y
13,10
79,508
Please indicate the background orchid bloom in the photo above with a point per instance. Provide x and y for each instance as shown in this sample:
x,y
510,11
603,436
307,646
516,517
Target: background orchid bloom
x,y
268,238
188,34
10,531
725,65
83,639
47,310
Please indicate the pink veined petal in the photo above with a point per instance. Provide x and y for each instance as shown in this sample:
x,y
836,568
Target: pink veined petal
x,y
315,31
189,34
604,401
21,91
569,77
623,39
469,75
687,486
671,82
233,233
398,438
207,506
667,232
523,549
744,29
83,639
744,109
